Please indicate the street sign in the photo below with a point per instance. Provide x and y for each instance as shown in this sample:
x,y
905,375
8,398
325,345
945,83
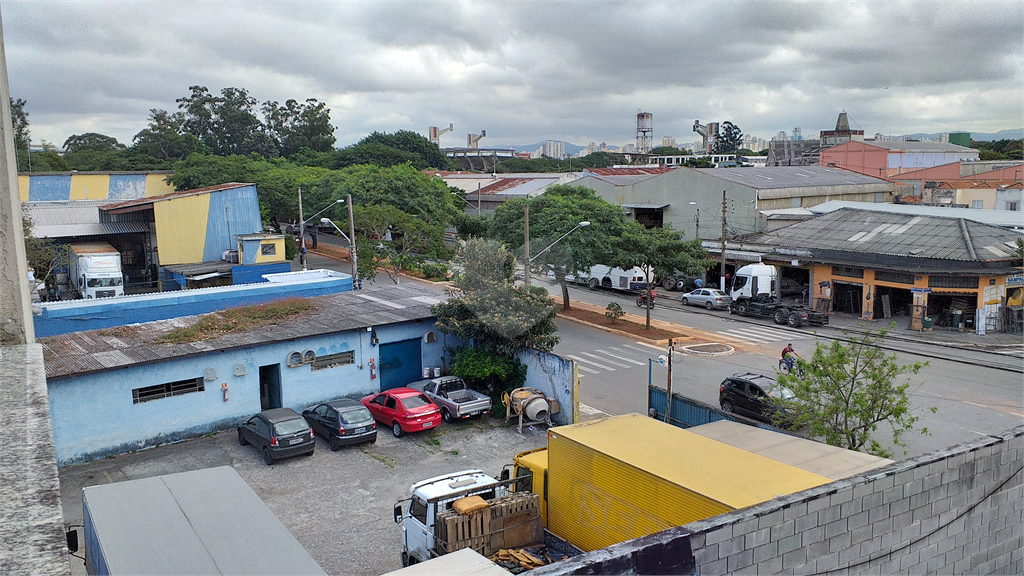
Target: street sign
x,y
921,290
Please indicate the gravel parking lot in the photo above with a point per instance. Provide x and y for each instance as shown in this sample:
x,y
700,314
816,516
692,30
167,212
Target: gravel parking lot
x,y
338,504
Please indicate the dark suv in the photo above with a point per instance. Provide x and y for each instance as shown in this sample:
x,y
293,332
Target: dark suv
x,y
752,395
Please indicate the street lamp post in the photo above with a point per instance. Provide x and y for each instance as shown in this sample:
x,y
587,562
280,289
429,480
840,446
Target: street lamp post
x,y
351,247
526,275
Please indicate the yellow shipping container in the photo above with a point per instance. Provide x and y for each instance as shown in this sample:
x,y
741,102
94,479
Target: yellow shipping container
x,y
619,478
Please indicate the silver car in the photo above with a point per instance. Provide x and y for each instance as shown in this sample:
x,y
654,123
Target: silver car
x,y
709,298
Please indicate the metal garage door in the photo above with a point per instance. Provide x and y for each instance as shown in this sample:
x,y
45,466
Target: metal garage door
x,y
400,363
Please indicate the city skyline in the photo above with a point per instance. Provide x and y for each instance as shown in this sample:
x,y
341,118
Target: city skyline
x,y
527,72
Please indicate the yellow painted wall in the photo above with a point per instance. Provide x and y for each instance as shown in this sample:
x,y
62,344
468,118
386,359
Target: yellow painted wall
x,y
23,187
278,251
156,184
90,186
987,196
181,228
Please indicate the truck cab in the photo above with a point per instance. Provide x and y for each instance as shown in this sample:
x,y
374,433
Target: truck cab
x,y
752,280
530,470
432,496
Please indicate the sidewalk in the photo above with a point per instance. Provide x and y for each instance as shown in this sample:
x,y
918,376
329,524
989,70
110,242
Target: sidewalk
x,y
960,339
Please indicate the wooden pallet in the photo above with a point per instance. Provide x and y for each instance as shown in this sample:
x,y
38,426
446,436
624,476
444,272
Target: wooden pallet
x,y
511,521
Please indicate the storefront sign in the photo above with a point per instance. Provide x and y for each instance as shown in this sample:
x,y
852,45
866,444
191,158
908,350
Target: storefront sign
x,y
1015,280
921,290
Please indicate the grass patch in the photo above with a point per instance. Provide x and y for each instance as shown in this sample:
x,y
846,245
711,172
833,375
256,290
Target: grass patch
x,y
120,331
386,460
237,320
433,442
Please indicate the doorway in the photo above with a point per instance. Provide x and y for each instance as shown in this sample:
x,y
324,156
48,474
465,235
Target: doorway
x,y
400,363
270,386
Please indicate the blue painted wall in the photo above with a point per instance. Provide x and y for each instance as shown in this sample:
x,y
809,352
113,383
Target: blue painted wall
x,y
552,375
49,188
77,315
253,273
93,415
232,212
127,186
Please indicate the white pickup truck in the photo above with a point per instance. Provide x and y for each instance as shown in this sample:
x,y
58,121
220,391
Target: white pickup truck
x,y
453,397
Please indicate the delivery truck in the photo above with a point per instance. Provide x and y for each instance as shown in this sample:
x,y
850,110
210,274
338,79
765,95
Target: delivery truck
x,y
95,270
200,522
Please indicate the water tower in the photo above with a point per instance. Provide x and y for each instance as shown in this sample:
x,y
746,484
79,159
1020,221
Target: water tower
x,y
644,131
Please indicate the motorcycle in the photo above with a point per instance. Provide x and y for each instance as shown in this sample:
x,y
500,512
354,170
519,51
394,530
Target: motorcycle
x,y
641,300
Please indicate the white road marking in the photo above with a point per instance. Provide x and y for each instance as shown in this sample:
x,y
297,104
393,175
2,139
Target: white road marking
x,y
603,359
764,334
652,346
578,359
975,404
591,410
585,369
623,358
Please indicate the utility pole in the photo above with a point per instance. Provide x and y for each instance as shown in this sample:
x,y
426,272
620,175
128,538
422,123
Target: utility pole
x,y
723,242
302,229
352,243
526,231
668,387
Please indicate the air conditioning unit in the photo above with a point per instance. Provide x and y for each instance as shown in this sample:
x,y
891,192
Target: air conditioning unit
x,y
230,256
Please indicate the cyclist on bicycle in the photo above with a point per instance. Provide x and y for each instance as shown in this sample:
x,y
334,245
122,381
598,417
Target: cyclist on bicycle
x,y
787,356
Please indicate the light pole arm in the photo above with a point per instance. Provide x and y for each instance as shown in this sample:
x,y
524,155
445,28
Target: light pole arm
x,y
329,206
580,225
331,222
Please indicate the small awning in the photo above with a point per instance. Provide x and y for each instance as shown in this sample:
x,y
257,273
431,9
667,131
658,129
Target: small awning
x,y
646,206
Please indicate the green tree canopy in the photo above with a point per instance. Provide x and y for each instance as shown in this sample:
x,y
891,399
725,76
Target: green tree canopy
x,y
226,124
729,139
561,208
295,126
428,153
393,239
165,137
849,388
92,141
19,119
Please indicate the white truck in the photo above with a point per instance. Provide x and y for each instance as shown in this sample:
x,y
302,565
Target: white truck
x,y
95,270
602,276
756,291
432,528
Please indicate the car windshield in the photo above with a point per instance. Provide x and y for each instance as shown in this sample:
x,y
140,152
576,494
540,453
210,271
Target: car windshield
x,y
417,401
290,426
354,414
780,392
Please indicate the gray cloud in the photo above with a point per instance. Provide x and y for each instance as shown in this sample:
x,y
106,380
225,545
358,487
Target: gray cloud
x,y
527,71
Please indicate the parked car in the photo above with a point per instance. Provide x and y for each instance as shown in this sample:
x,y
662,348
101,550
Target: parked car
x,y
277,433
342,422
707,297
753,395
403,409
453,397
790,287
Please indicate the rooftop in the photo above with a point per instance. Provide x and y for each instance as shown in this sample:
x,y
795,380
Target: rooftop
x,y
68,218
128,204
94,350
773,177
1002,218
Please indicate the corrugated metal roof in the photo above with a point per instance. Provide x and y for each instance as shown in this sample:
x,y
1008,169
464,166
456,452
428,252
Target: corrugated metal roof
x,y
1002,218
95,350
123,206
907,235
70,218
980,184
919,146
650,171
772,177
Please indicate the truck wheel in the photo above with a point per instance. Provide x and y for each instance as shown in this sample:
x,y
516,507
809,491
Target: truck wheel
x,y
794,320
446,415
594,283
781,316
727,406
741,308
396,429
669,283
267,458
335,444
241,439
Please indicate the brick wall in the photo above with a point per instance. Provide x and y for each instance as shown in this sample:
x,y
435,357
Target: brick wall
x,y
957,510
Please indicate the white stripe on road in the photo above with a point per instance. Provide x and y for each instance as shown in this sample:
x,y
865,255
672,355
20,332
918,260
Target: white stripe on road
x,y
585,369
591,410
578,359
601,358
658,348
623,358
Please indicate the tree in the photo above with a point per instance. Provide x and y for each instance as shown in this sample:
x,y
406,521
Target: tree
x,y
393,239
659,252
44,256
92,141
19,119
699,163
849,388
729,139
667,151
226,124
413,143
554,213
165,137
296,126
487,309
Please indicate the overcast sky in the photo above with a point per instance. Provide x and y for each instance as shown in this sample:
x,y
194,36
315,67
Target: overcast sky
x,y
528,71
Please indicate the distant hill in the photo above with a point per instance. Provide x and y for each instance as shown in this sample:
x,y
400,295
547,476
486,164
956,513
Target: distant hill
x,y
570,148
1014,134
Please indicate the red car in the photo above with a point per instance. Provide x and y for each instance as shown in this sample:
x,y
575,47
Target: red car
x,y
403,409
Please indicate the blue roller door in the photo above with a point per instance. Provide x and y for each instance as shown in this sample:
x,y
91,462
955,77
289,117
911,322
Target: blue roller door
x,y
400,363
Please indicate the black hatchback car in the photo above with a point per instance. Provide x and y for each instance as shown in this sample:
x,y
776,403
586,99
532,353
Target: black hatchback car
x,y
277,433
342,422
752,395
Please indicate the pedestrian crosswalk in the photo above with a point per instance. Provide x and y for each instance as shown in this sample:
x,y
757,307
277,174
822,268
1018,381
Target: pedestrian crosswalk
x,y
1015,352
763,334
612,358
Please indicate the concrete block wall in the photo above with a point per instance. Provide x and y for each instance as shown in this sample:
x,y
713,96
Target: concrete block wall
x,y
957,510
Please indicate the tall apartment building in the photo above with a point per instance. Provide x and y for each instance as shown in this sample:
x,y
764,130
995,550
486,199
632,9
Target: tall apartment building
x,y
668,141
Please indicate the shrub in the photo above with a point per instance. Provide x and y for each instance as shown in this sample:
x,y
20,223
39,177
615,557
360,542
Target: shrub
x,y
614,311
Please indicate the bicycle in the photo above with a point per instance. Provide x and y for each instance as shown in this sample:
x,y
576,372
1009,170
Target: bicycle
x,y
784,368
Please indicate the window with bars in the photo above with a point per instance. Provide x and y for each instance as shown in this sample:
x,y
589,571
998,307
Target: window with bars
x,y
848,271
953,282
332,360
159,391
896,277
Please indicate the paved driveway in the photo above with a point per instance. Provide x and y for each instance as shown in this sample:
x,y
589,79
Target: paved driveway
x,y
338,504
